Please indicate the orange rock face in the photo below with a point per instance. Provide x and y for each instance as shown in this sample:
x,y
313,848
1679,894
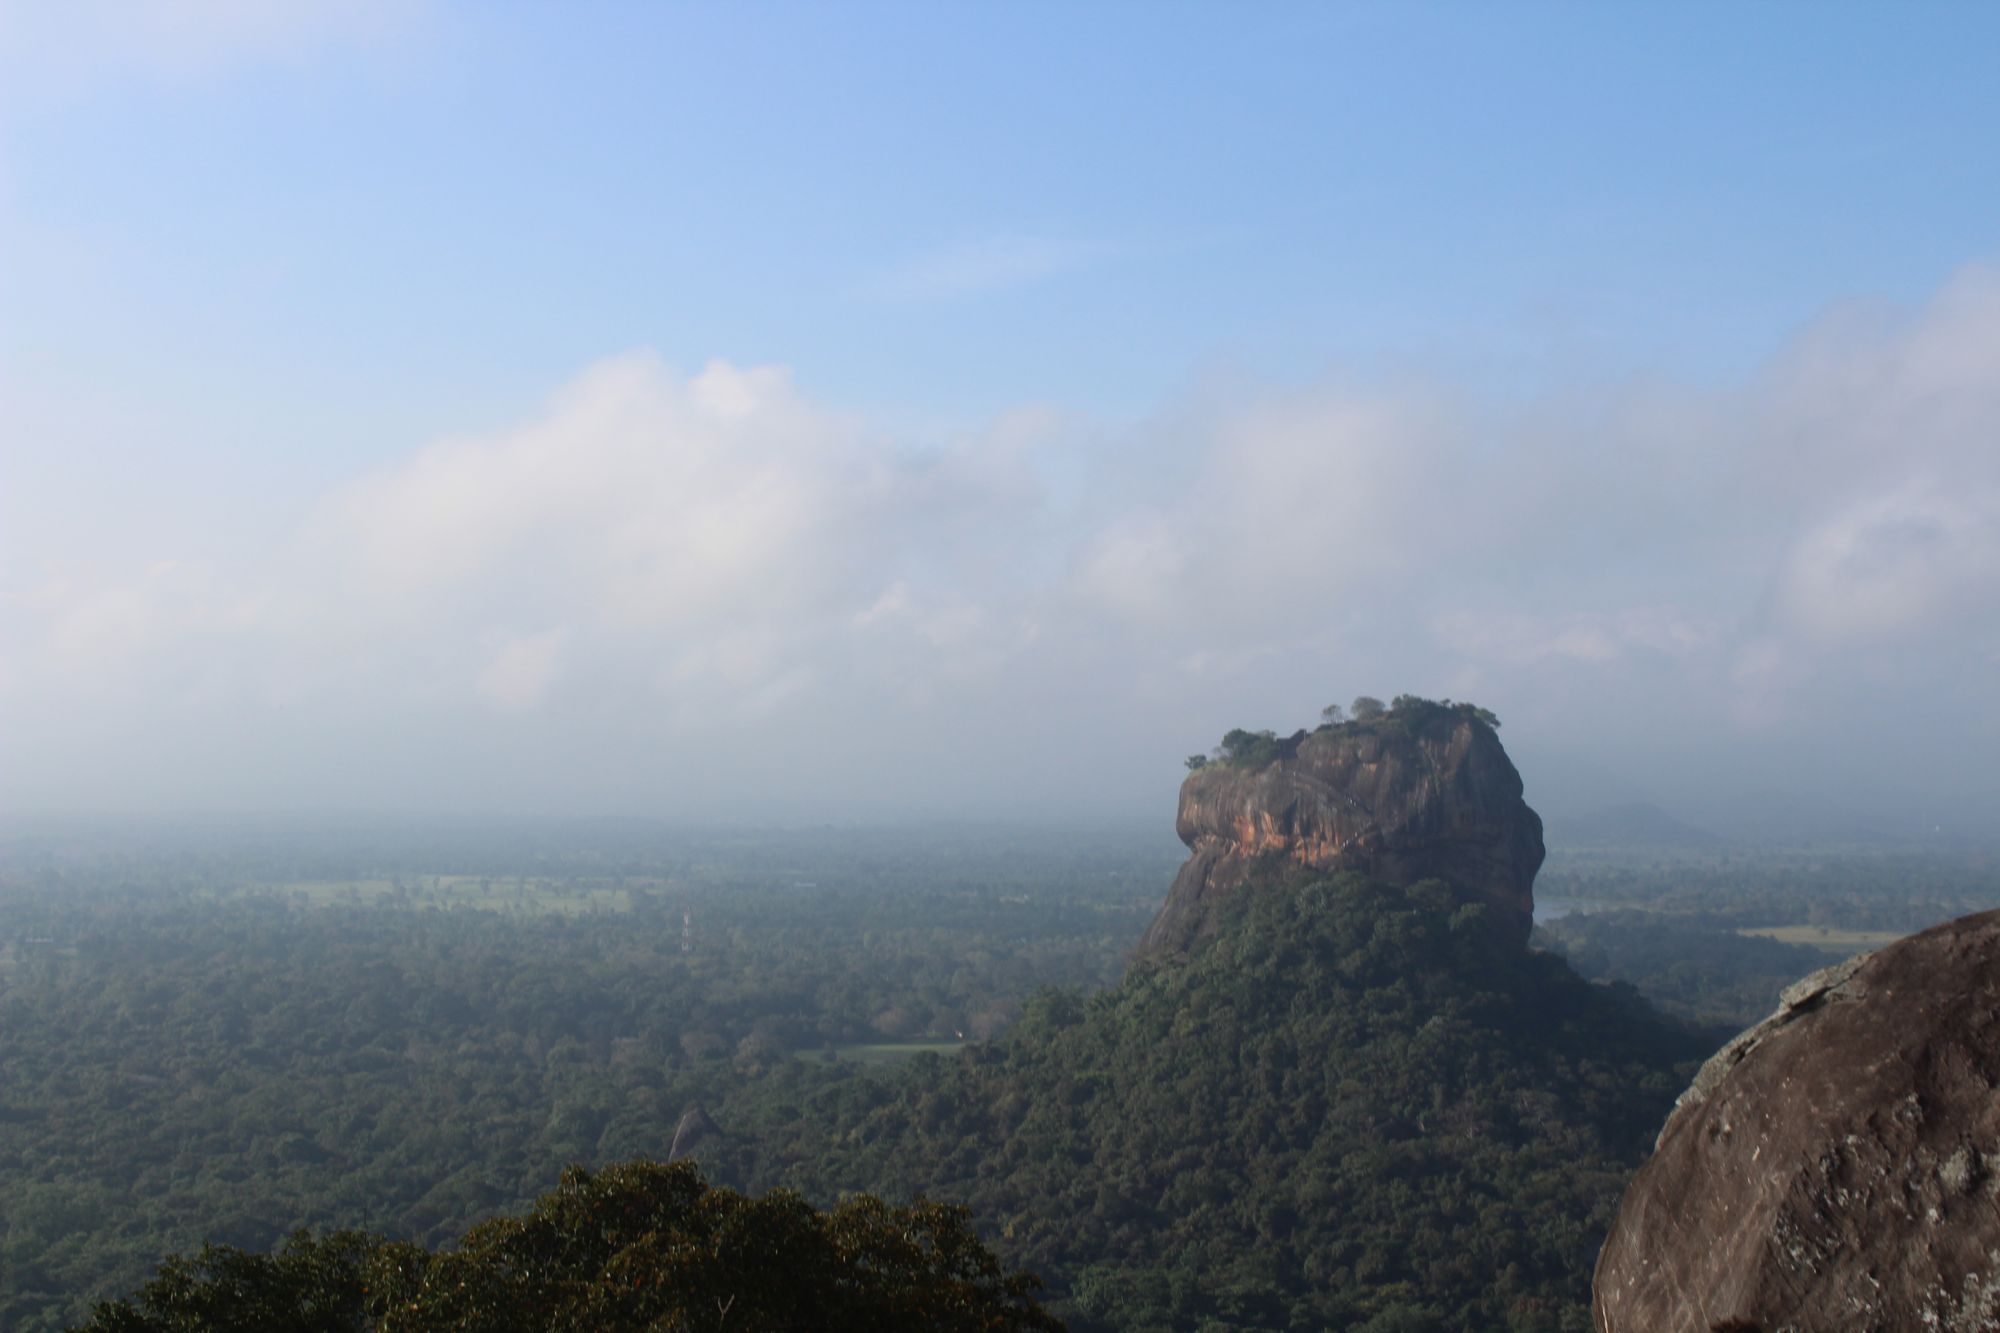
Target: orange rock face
x,y
1398,802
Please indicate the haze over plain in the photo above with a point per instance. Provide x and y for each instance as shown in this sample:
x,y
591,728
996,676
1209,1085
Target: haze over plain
x,y
809,414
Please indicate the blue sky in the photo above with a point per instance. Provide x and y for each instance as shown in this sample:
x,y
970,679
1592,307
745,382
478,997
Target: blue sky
x,y
950,209
1042,280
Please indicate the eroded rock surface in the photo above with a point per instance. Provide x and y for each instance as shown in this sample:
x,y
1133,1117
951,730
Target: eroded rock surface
x,y
1835,1167
1398,801
695,1128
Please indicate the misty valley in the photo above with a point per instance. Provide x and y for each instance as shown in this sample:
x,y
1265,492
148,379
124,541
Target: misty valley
x,y
1305,1093
667,666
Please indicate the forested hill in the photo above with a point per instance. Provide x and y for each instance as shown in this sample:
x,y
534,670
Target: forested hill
x,y
1359,1106
1336,1090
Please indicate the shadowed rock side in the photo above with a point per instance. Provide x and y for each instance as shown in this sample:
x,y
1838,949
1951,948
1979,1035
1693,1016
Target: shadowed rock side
x,y
694,1129
1837,1166
1394,800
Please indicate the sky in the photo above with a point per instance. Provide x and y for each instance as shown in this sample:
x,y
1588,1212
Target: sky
x,y
778,413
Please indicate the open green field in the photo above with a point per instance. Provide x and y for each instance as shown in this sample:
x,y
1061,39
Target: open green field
x,y
889,1052
1830,938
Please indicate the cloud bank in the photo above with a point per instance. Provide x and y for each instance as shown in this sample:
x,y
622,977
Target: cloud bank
x,y
706,594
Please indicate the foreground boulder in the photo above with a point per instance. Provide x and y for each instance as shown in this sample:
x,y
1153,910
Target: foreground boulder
x,y
1835,1167
1425,793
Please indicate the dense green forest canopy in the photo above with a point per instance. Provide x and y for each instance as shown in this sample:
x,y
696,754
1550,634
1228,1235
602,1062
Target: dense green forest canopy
x,y
226,1042
634,1247
1358,1108
406,1031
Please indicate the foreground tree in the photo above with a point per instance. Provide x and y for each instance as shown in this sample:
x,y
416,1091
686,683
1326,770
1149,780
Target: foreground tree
x,y
638,1246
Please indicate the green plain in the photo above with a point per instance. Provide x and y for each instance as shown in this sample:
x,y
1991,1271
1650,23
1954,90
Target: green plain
x,y
889,1052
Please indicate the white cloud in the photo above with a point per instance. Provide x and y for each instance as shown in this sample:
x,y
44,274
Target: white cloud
x,y
662,565
519,674
687,527
1895,564
1136,569
1294,505
893,604
649,501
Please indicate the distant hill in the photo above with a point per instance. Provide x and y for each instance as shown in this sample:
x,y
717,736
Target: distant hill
x,y
1633,824
1341,1103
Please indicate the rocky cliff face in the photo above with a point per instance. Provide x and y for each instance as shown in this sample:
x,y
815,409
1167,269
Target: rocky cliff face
x,y
1400,799
695,1128
1837,1166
